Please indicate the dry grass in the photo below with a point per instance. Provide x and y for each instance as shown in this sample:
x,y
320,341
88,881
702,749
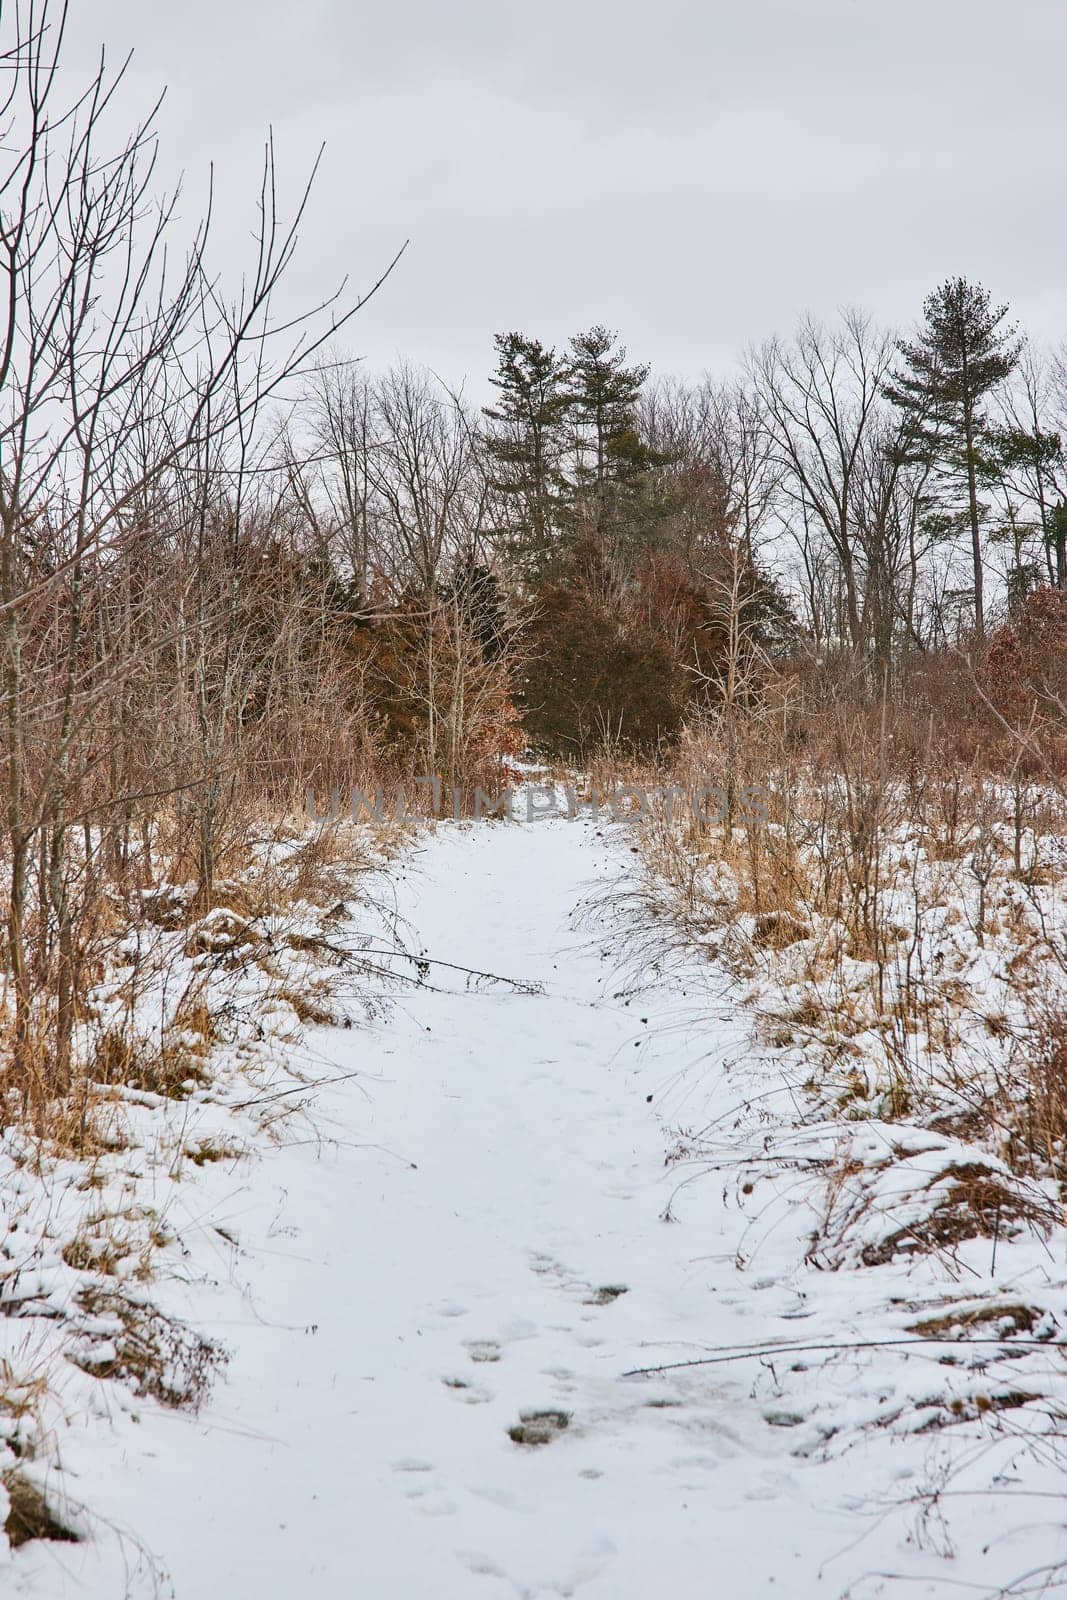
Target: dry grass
x,y
208,1151
972,1202
173,1069
1037,1118
985,1317
21,1397
29,1515
154,1354
852,915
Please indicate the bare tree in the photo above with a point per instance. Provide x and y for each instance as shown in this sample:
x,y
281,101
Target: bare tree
x,y
717,459
122,369
894,534
332,475
1028,469
820,399
427,474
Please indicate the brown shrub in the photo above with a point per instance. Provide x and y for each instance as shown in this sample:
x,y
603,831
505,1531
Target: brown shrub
x,y
1038,1118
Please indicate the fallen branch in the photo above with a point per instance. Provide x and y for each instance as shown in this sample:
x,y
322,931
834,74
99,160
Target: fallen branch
x,y
742,1353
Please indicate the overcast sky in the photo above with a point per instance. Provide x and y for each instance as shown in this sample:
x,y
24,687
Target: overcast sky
x,y
693,174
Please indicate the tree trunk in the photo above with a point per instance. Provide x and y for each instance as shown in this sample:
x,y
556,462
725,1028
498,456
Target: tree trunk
x,y
976,530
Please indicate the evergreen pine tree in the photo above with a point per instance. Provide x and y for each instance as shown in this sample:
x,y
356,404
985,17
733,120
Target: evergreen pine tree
x,y
610,460
962,353
1057,535
525,442
1032,458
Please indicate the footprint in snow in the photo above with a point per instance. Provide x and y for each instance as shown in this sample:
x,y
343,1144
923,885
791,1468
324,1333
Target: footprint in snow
x,y
606,1295
481,1565
539,1427
483,1350
590,1294
502,1498
418,1484
471,1394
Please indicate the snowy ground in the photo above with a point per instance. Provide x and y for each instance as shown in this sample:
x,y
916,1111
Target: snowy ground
x,y
477,1224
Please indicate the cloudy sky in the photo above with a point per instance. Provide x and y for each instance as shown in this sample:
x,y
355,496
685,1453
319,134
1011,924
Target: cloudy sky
x,y
694,173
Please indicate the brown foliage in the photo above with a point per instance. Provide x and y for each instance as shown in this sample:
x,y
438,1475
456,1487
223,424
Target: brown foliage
x,y
626,656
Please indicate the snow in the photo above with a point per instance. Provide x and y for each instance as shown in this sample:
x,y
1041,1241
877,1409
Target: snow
x,y
431,1252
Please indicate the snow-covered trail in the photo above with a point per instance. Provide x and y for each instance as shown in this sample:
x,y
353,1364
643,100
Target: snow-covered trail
x,y
444,1259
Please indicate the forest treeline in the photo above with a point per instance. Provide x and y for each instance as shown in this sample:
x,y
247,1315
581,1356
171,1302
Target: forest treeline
x,y
861,506
236,564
